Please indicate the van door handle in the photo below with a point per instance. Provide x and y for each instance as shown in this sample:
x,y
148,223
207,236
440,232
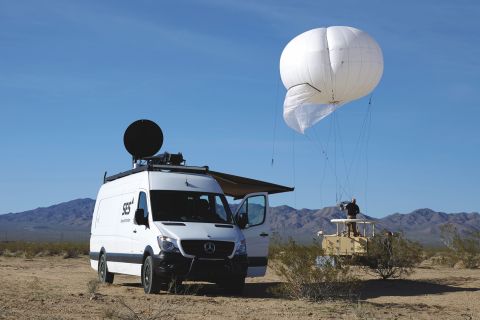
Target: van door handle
x,y
134,231
263,234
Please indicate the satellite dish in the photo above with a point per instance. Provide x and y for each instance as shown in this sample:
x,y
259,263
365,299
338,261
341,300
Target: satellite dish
x,y
143,138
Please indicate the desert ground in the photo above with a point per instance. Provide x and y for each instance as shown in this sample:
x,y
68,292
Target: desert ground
x,y
57,288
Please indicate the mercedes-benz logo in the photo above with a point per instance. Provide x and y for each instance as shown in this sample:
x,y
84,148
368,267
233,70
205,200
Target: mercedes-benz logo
x,y
209,247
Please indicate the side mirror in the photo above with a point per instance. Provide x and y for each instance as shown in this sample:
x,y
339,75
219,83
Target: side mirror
x,y
140,217
242,220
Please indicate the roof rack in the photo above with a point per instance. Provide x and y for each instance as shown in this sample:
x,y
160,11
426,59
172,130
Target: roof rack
x,y
156,167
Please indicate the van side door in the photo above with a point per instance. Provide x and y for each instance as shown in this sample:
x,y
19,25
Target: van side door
x,y
140,233
254,209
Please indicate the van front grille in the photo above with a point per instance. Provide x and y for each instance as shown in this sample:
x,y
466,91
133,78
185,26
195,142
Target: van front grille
x,y
208,249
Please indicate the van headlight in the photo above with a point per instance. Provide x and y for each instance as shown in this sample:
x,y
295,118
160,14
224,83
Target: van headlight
x,y
168,244
242,248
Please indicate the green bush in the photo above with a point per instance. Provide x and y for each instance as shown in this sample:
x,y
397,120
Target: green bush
x,y
42,249
391,256
303,279
462,247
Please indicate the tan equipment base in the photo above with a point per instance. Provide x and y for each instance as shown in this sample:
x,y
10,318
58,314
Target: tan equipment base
x,y
343,245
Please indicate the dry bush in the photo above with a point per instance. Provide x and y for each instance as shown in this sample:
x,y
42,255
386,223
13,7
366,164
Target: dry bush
x,y
361,311
92,286
41,249
276,245
461,247
110,313
34,284
164,311
187,289
434,255
7,253
391,256
29,253
71,253
37,290
438,256
443,259
296,265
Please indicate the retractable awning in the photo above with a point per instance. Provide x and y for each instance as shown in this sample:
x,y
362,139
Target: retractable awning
x,y
239,187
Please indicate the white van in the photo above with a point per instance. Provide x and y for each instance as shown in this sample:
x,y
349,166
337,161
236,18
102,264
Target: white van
x,y
169,223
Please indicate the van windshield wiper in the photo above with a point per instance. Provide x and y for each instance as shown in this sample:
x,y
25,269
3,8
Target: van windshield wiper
x,y
174,223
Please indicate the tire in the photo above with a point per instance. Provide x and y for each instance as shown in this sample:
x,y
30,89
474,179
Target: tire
x,y
151,282
104,276
234,285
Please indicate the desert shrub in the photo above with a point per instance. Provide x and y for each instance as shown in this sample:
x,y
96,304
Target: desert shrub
x,y
39,249
304,279
443,259
431,251
461,247
184,288
123,311
275,245
71,253
438,255
29,254
92,286
361,311
391,256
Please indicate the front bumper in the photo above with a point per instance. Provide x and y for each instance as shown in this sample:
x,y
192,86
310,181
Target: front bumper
x,y
168,265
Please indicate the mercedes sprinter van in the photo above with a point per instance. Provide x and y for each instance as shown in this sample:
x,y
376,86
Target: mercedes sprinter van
x,y
167,222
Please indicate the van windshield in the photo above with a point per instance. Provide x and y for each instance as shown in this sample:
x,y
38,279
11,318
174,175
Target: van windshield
x,y
189,207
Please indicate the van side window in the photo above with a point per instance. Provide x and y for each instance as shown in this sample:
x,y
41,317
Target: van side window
x,y
142,203
255,209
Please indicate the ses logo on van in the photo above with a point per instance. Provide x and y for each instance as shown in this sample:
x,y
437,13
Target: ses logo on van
x,y
126,207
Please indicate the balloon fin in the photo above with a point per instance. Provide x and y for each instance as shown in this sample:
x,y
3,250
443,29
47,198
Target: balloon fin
x,y
301,109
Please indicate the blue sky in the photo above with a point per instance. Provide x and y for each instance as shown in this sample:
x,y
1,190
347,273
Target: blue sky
x,y
75,74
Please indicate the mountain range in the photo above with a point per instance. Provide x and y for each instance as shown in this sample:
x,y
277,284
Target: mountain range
x,y
422,225
70,221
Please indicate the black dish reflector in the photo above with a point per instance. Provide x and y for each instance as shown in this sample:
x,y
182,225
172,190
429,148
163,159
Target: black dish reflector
x,y
143,138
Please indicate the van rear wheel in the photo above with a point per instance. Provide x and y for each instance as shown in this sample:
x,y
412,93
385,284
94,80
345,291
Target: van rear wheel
x,y
103,275
151,282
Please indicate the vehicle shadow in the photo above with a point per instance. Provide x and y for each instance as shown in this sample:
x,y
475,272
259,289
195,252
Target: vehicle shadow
x,y
252,290
368,289
402,288
130,284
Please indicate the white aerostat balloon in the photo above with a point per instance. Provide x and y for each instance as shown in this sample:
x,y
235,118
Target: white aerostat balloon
x,y
325,68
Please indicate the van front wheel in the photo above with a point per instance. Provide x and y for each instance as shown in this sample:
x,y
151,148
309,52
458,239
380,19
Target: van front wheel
x,y
103,275
150,281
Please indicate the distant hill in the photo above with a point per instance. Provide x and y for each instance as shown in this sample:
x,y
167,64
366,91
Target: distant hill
x,y
423,224
70,221
67,221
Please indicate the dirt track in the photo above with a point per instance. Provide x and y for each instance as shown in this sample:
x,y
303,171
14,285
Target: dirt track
x,y
56,288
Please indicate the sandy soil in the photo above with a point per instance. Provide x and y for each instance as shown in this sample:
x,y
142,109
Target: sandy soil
x,y
56,288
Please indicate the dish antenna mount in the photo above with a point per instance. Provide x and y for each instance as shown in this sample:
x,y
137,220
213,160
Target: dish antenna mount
x,y
143,138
